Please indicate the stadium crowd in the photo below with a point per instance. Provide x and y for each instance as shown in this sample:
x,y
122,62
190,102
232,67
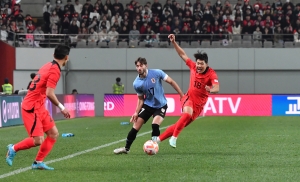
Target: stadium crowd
x,y
107,21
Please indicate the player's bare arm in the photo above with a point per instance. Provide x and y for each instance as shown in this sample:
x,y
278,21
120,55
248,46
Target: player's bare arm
x,y
138,108
178,49
52,97
170,81
213,89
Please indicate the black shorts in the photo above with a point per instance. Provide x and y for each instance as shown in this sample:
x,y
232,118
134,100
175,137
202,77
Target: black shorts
x,y
146,112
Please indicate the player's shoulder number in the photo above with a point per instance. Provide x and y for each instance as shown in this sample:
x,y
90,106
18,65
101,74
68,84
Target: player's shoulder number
x,y
36,79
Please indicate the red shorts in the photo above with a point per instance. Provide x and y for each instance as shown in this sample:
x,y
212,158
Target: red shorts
x,y
37,122
197,109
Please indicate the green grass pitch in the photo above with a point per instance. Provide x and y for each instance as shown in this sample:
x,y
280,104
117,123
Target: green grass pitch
x,y
230,149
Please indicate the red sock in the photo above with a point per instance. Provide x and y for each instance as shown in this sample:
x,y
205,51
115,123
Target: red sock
x,y
27,143
180,124
168,133
45,149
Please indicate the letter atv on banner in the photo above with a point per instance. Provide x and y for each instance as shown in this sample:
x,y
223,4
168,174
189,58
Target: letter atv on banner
x,y
217,105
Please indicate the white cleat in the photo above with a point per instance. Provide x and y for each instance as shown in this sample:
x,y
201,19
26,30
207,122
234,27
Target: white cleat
x,y
121,150
172,142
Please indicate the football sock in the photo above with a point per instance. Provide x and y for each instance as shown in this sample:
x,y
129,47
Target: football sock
x,y
155,130
27,143
130,138
166,134
180,124
45,149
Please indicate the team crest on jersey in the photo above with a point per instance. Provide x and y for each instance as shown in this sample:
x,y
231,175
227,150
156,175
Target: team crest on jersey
x,y
153,80
163,110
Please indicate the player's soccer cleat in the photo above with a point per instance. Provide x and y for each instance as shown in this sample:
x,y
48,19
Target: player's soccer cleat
x,y
121,150
41,166
155,139
10,154
172,142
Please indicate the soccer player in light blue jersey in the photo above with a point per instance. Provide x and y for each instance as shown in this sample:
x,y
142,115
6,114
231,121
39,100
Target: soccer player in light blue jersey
x,y
151,101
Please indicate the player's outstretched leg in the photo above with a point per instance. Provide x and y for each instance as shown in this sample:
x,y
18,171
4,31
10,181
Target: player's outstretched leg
x,y
12,150
166,134
44,150
180,124
130,139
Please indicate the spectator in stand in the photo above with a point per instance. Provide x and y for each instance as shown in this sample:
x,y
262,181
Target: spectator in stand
x,y
106,12
59,11
297,36
227,6
156,8
83,34
198,2
185,34
217,7
93,23
278,35
70,6
117,26
257,11
103,36
288,33
104,22
39,37
93,37
7,9
78,7
115,18
257,34
120,6
288,6
96,12
4,33
109,5
29,37
123,37
65,25
116,10
46,14
248,29
257,5
246,7
134,34
54,19
73,32
54,29
113,34
268,13
267,35
236,29
208,15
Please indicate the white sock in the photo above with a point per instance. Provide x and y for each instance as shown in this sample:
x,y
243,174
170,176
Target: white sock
x,y
174,138
38,162
158,140
13,147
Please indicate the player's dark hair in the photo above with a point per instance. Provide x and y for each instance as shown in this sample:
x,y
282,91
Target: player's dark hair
x,y
118,79
141,61
201,56
32,75
61,51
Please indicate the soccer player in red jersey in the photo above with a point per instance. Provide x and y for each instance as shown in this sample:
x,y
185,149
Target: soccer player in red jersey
x,y
36,118
203,80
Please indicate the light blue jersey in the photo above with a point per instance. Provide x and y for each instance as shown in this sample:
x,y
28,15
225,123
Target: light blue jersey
x,y
152,88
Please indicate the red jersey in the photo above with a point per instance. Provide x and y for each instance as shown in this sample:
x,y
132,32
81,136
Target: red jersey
x,y
198,81
47,76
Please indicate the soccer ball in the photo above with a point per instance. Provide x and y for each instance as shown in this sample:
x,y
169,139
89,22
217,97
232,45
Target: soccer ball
x,y
150,147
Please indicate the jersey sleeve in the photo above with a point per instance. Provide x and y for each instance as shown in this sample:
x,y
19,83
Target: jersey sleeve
x,y
138,91
214,78
191,64
162,75
53,78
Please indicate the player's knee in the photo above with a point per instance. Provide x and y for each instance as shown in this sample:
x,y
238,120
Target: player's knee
x,y
38,140
54,135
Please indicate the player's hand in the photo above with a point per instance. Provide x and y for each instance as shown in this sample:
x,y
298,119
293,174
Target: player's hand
x,y
172,37
134,117
207,88
181,96
66,113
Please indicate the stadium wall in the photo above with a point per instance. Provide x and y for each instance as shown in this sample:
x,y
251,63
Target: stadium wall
x,y
8,62
241,71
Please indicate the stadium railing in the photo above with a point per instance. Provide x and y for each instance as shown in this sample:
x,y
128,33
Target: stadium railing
x,y
161,41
